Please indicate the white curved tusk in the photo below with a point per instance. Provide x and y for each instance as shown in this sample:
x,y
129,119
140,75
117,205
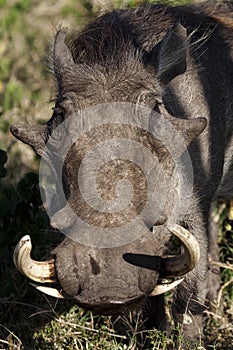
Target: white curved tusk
x,y
163,288
181,264
53,292
38,271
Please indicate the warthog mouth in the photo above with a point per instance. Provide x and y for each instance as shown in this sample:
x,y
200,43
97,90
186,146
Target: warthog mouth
x,y
111,307
102,288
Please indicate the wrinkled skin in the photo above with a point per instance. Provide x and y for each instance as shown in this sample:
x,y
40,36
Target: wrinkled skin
x,y
180,79
130,283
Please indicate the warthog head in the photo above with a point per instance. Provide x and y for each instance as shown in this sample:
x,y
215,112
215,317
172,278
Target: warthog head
x,y
114,153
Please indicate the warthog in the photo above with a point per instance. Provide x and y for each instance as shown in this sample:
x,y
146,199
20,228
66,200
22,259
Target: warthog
x,y
172,68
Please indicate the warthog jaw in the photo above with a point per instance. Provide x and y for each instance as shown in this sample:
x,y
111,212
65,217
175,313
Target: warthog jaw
x,y
174,266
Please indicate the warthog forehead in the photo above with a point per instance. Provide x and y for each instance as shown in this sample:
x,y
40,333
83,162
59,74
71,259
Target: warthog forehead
x,y
121,174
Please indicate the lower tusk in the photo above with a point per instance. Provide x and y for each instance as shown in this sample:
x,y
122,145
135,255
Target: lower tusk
x,y
53,292
38,271
163,288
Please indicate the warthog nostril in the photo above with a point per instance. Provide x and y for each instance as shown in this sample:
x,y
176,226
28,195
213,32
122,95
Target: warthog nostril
x,y
94,266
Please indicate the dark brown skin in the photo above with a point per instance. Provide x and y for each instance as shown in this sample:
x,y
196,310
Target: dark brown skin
x,y
143,56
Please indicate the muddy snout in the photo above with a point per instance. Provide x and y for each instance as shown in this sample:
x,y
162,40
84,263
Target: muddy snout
x,y
105,279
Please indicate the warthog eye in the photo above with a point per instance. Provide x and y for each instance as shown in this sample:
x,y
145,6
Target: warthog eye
x,y
150,100
54,126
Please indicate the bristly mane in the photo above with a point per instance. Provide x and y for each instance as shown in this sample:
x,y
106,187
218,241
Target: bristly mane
x,y
109,39
105,41
112,38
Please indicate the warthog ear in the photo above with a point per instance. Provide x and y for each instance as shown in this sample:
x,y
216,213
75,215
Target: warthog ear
x,y
168,57
62,59
32,135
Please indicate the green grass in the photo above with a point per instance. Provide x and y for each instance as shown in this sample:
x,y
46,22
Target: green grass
x,y
28,319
